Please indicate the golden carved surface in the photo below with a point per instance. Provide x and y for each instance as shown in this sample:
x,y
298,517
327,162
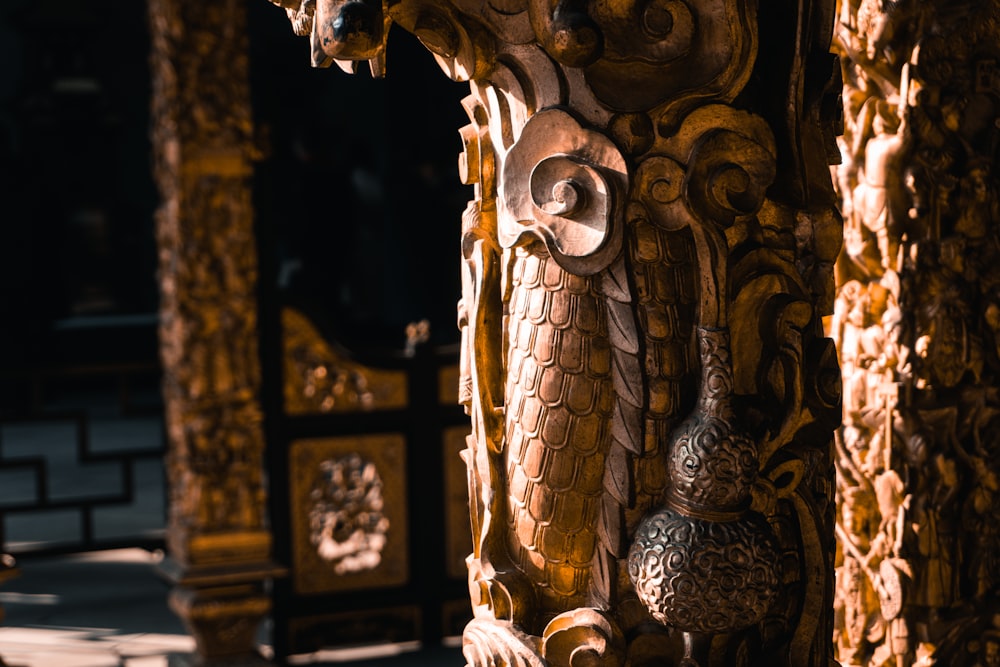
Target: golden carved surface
x,y
916,325
208,272
646,263
202,138
320,378
348,503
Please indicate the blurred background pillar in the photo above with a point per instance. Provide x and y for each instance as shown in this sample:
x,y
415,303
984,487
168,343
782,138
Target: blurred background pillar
x,y
219,543
916,322
8,570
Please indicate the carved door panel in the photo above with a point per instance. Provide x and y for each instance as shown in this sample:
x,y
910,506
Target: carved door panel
x,y
357,216
365,510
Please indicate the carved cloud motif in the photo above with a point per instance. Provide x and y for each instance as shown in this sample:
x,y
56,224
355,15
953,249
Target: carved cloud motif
x,y
639,54
563,185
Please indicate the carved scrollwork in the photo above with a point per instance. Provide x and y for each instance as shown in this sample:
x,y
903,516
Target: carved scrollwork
x,y
563,184
567,31
659,182
677,50
730,158
582,638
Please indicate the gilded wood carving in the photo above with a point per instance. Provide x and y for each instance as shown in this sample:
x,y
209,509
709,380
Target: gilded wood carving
x,y
202,137
646,263
916,324
350,516
320,377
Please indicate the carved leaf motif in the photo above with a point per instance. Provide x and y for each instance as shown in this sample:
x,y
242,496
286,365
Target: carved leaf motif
x,y
626,428
603,568
618,476
614,285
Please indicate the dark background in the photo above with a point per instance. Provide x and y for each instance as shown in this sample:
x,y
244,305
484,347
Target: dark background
x,y
358,196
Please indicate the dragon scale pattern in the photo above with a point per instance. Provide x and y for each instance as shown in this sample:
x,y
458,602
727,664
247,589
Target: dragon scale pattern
x,y
560,401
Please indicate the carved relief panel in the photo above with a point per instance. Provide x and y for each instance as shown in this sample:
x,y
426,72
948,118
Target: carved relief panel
x,y
916,326
349,513
646,262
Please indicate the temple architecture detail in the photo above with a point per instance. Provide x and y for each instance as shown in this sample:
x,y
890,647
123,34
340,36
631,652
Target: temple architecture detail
x,y
219,545
916,321
647,260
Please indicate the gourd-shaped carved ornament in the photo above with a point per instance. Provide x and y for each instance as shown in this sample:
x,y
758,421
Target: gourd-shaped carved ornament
x,y
649,479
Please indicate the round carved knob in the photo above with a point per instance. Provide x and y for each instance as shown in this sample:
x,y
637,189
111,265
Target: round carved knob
x,y
704,576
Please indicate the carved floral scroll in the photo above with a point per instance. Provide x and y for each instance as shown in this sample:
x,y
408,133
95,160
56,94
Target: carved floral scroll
x,y
916,323
646,263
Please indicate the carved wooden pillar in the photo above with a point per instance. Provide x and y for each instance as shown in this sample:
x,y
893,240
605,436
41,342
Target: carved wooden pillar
x,y
647,261
917,317
219,544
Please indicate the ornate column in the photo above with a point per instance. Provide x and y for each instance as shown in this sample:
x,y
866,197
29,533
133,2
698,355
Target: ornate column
x,y
647,260
917,316
219,544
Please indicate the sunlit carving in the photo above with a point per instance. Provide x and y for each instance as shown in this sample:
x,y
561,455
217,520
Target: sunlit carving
x,y
646,263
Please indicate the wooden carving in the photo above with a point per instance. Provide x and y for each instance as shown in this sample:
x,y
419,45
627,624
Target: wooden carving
x,y
916,323
219,543
646,263
322,378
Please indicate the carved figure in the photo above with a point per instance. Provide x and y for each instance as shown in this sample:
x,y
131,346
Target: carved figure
x,y
876,196
643,361
918,442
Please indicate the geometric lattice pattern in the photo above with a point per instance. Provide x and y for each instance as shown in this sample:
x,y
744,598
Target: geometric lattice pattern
x,y
73,482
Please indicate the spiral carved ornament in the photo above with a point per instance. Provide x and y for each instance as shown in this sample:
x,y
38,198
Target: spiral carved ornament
x,y
563,184
641,53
